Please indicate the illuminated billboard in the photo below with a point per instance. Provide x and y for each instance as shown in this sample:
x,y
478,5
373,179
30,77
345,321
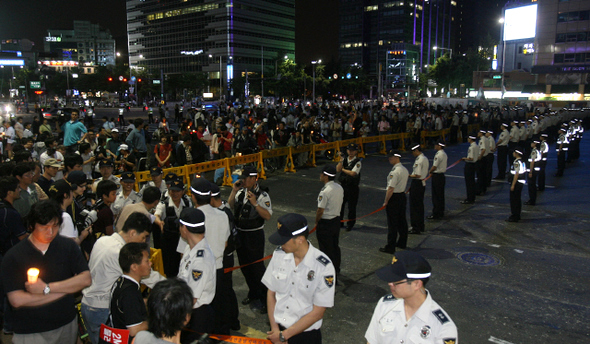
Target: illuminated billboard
x,y
520,22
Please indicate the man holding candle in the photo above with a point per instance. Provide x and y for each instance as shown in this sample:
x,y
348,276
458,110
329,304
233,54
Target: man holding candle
x,y
43,310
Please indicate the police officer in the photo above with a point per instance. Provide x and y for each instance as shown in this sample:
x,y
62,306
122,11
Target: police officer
x,y
437,171
518,172
350,177
168,179
157,180
409,314
482,183
533,172
197,269
126,194
491,148
561,146
168,212
469,171
327,218
502,147
106,168
513,140
522,135
417,187
300,280
544,150
252,207
395,203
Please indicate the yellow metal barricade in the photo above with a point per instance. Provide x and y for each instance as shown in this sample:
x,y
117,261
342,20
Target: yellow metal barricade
x,y
322,147
245,159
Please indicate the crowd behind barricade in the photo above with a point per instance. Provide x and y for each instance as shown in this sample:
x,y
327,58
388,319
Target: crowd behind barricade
x,y
70,210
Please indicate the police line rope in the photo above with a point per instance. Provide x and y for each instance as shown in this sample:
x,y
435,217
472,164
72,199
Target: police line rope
x,y
226,270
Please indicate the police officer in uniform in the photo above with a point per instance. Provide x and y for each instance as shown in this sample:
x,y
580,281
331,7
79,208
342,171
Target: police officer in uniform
x,y
327,218
437,171
482,183
252,207
513,140
168,212
469,171
197,269
157,180
350,177
544,150
518,172
395,204
300,280
126,194
561,146
417,188
491,148
409,314
106,167
533,170
502,147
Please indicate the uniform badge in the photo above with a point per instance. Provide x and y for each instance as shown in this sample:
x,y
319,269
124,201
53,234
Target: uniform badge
x,y
393,260
279,225
358,165
267,203
441,316
200,253
425,331
320,198
310,275
329,280
449,341
197,275
186,266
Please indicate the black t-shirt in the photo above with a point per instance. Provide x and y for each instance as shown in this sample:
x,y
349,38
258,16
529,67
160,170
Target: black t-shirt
x,y
62,260
11,227
45,183
127,305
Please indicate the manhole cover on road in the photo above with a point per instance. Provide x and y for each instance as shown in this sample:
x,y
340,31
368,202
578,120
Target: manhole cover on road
x,y
480,259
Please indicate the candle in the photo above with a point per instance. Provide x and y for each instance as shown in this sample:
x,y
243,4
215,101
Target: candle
x,y
33,274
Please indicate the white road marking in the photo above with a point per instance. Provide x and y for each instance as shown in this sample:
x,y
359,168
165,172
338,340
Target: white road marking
x,y
518,251
498,340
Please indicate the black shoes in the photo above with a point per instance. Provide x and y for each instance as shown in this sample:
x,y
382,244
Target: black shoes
x,y
466,202
432,217
512,219
247,301
348,229
413,231
387,250
529,203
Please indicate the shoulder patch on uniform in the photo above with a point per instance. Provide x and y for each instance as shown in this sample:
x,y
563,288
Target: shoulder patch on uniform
x,y
389,297
323,260
200,253
320,198
329,280
449,340
197,274
267,203
358,164
441,316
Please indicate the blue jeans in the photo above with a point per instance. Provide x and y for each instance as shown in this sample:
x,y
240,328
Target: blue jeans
x,y
93,317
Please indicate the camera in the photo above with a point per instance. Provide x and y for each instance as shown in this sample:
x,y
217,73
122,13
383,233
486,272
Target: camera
x,y
239,183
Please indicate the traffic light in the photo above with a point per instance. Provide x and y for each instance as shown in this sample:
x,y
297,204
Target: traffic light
x,y
124,79
39,92
110,79
138,80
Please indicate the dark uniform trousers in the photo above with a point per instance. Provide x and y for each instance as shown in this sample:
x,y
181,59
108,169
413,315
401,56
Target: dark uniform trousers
x,y
454,131
417,205
170,258
489,168
308,337
351,196
481,175
225,302
532,185
328,234
252,249
502,160
438,194
201,322
397,225
516,201
469,172
156,236
561,162
541,176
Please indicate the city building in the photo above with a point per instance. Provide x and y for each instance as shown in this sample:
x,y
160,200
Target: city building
x,y
544,52
87,44
223,39
370,30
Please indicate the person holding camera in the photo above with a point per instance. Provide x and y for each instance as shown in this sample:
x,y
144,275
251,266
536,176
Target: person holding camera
x,y
350,177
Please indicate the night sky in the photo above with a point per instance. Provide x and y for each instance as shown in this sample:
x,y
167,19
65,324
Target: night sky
x,y
316,22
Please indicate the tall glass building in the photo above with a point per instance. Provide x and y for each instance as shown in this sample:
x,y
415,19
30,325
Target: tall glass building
x,y
224,38
370,30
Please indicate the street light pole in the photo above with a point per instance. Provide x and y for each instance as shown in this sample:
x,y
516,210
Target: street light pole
x,y
313,63
501,21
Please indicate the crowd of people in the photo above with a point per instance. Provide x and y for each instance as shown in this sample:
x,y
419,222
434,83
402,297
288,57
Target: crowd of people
x,y
67,214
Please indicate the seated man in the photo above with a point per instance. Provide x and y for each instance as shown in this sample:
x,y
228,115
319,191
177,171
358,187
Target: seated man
x,y
127,306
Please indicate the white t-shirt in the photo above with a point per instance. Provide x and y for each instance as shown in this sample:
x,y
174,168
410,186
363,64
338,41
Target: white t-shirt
x,y
67,228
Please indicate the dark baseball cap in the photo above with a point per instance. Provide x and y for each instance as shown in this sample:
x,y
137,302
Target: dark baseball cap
x,y
215,190
249,171
405,265
201,187
288,227
352,146
105,162
177,185
170,177
128,177
155,171
393,153
193,219
77,178
60,187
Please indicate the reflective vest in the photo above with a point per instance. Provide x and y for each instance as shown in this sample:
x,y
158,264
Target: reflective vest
x,y
535,157
520,167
